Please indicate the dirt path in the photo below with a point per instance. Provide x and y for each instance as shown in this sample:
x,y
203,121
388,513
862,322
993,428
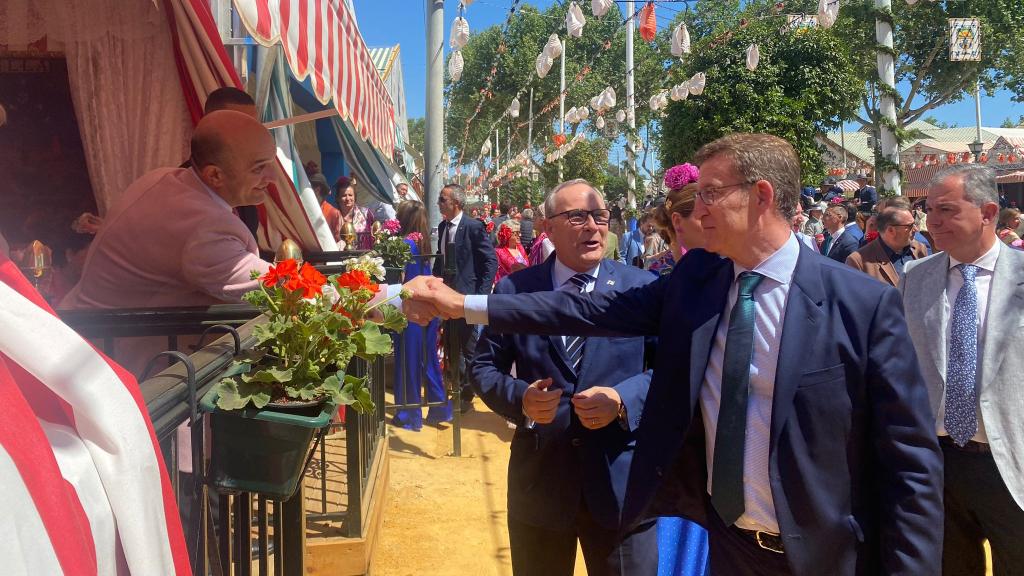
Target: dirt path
x,y
446,516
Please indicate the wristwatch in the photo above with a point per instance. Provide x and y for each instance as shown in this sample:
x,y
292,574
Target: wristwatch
x,y
621,416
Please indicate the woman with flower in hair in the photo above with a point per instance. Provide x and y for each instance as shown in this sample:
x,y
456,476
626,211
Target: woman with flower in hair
x,y
674,219
360,216
510,253
416,347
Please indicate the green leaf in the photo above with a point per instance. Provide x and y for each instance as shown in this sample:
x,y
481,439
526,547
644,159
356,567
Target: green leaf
x,y
238,367
370,342
228,397
393,319
255,392
356,393
270,375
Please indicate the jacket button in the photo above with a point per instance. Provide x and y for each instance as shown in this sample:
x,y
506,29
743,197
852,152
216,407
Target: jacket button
x,y
658,471
576,442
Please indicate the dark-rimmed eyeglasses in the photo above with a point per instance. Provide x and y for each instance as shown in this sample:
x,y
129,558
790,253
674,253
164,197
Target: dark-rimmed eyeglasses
x,y
578,217
711,195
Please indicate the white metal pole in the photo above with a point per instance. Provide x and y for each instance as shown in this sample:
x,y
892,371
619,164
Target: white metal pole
x,y
529,129
561,103
433,172
977,108
630,115
887,106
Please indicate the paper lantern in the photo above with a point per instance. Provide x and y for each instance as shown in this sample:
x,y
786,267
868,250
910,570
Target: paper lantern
x,y
513,108
600,7
1012,159
599,122
558,139
553,47
753,57
828,10
696,83
648,23
460,33
583,113
543,65
455,65
680,40
574,20
620,116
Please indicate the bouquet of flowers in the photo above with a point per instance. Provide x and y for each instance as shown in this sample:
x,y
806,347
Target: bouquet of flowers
x,y
315,326
390,246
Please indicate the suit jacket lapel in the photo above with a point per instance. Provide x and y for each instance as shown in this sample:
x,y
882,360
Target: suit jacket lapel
x,y
800,328
716,294
932,300
1005,300
889,271
594,347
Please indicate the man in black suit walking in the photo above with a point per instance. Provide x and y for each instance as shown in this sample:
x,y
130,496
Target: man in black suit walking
x,y
474,267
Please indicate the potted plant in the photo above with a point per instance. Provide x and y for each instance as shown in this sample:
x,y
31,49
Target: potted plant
x,y
272,399
392,249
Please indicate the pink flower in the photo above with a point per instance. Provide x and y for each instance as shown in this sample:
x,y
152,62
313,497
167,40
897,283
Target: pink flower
x,y
680,175
414,236
392,226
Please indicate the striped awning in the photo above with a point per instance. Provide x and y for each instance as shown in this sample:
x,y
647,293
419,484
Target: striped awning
x,y
1011,177
321,41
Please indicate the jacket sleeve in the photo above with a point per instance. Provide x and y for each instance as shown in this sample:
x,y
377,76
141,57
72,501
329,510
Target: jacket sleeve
x,y
909,473
217,261
491,368
484,261
633,392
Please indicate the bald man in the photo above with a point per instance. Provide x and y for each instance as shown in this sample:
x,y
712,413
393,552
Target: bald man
x,y
171,239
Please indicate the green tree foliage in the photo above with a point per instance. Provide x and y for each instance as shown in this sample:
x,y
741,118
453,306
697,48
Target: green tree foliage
x,y
417,134
804,83
1011,123
516,52
522,191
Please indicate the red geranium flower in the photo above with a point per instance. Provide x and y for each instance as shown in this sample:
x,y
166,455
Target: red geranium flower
x,y
357,280
490,227
312,281
282,271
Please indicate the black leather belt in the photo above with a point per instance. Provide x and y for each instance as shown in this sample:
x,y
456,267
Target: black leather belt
x,y
766,540
971,446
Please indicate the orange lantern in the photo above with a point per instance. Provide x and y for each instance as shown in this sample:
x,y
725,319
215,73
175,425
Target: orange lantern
x,y
559,139
1012,159
984,158
950,158
648,23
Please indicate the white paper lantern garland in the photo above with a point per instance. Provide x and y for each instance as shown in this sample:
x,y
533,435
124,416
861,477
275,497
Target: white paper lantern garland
x,y
600,7
455,65
574,20
680,40
460,33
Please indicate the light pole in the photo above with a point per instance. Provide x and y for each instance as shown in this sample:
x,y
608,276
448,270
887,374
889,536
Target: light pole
x,y
976,146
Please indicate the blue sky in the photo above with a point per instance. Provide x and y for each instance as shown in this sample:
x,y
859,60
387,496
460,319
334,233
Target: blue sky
x,y
387,22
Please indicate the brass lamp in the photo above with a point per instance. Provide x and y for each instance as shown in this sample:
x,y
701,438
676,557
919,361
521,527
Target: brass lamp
x,y
288,250
375,228
38,259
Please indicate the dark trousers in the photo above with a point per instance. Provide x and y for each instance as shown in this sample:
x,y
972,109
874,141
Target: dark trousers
x,y
542,552
468,336
736,553
979,507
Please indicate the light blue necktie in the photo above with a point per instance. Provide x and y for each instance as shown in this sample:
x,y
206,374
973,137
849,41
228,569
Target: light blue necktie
x,y
731,431
961,420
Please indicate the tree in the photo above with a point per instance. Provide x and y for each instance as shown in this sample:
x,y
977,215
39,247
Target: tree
x,y
587,160
793,93
938,123
513,55
1010,123
417,134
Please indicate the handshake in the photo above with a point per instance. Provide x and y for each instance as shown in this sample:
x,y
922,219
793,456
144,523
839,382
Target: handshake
x,y
427,297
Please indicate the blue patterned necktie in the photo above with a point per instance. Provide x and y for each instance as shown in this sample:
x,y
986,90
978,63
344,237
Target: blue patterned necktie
x,y
574,344
731,430
961,419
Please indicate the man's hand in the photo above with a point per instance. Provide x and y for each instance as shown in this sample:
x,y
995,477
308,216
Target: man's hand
x,y
539,403
597,407
429,297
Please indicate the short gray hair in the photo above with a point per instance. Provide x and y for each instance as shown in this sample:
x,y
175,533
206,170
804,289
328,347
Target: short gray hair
x,y
458,194
979,182
549,200
528,214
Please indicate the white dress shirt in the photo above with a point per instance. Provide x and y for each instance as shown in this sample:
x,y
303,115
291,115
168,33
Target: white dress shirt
x,y
770,298
453,226
954,282
834,237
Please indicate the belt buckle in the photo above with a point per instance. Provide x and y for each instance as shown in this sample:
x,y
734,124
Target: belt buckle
x,y
762,544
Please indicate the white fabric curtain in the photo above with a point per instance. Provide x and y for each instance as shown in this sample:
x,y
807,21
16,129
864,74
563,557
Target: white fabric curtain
x,y
121,68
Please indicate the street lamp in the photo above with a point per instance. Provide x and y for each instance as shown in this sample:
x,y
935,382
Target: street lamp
x,y
975,148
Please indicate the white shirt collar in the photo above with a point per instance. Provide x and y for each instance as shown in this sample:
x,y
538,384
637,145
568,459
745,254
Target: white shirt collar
x,y
216,197
780,266
458,218
987,261
560,273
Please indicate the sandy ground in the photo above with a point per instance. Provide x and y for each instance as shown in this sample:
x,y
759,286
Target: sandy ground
x,y
446,515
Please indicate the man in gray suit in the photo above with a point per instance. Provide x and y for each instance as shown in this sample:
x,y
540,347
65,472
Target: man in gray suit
x,y
964,307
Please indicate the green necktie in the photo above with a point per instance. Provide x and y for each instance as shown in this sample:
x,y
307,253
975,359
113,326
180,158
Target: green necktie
x,y
727,469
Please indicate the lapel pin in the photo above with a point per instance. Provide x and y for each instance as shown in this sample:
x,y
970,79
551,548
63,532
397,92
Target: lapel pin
x,y
611,282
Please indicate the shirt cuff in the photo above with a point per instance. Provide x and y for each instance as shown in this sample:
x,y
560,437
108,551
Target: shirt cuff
x,y
475,309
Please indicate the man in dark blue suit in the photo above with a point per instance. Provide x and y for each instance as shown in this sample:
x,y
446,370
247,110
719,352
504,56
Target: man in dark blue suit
x,y
471,271
791,407
839,241
574,442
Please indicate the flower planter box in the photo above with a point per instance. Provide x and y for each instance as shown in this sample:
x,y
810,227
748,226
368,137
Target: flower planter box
x,y
394,275
261,450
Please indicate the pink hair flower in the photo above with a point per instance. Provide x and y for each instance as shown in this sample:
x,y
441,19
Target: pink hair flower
x,y
680,175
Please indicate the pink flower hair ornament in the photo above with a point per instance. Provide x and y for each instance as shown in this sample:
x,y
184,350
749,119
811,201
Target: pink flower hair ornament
x,y
680,175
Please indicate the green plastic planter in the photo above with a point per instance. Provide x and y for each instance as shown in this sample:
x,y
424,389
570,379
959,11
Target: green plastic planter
x,y
260,450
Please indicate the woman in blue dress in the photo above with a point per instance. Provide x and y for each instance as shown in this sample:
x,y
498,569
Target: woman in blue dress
x,y
416,348
682,544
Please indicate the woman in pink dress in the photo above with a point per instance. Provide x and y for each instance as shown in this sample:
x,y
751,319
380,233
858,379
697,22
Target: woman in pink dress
x,y
360,217
510,253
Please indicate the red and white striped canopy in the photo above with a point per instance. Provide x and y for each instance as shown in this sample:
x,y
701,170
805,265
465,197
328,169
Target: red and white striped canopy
x,y
321,40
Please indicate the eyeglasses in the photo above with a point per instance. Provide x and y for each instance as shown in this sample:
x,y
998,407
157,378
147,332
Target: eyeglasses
x,y
601,216
711,195
903,226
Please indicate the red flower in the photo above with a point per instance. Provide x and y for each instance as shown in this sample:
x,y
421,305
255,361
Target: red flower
x,y
490,227
282,271
357,280
312,281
